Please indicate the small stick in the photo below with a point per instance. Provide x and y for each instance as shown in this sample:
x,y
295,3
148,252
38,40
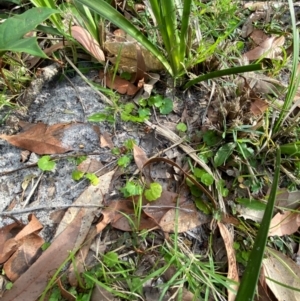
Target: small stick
x,y
32,190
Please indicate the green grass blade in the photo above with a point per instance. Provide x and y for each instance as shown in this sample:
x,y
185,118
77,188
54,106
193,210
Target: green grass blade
x,y
108,12
249,281
88,19
185,20
219,73
56,18
171,32
165,15
295,76
291,149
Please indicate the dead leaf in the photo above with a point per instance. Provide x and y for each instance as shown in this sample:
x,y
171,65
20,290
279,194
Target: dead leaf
x,y
168,200
28,252
119,84
31,284
284,224
65,293
126,55
100,293
270,48
247,213
90,165
140,157
287,199
232,266
105,140
188,218
286,272
258,106
22,249
93,195
258,36
7,233
125,212
88,42
40,138
25,156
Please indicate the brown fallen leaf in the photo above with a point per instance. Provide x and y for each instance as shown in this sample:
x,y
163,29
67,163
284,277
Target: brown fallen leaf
x,y
88,42
90,165
28,252
284,224
126,55
31,284
93,195
258,36
270,48
64,292
139,156
258,106
188,218
105,140
287,199
124,211
119,84
40,138
232,266
23,249
285,272
7,233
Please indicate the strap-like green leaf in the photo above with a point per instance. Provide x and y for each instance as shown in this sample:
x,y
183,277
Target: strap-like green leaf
x,y
249,281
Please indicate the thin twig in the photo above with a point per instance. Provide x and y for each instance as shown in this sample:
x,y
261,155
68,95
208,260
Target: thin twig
x,y
47,208
103,97
32,190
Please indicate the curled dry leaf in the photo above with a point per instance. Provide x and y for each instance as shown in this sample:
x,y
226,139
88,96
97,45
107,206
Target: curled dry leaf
x,y
20,251
88,42
31,284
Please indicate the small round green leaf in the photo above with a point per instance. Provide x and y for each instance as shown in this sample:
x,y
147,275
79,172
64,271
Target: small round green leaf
x,y
77,175
154,192
45,163
181,127
93,178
